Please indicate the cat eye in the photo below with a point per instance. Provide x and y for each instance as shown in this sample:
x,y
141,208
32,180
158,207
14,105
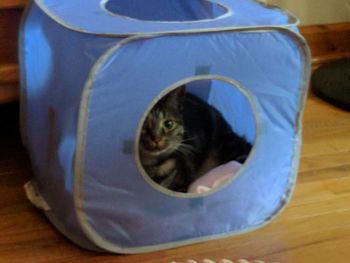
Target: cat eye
x,y
168,124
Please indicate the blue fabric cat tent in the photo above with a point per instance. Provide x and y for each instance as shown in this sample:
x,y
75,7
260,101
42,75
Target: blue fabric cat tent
x,y
90,71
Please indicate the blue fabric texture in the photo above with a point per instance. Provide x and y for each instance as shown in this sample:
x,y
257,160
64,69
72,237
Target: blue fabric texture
x,y
94,19
80,70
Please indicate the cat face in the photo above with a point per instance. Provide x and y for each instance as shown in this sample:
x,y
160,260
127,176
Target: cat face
x,y
163,130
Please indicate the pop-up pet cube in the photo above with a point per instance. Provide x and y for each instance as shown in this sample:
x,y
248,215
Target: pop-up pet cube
x,y
91,70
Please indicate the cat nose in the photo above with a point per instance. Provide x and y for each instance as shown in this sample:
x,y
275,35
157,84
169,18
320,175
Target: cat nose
x,y
157,139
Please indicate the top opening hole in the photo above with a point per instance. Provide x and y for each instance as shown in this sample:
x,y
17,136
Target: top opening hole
x,y
165,10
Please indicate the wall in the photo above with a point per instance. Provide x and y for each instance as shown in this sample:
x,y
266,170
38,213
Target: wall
x,y
317,11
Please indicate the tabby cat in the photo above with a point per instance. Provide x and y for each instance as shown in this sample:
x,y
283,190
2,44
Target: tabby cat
x,y
183,137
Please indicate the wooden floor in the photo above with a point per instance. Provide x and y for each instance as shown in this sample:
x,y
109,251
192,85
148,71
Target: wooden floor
x,y
315,227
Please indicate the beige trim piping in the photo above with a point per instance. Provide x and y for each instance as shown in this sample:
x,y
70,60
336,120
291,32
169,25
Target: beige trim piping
x,y
235,85
293,21
304,85
81,241
228,12
22,73
79,162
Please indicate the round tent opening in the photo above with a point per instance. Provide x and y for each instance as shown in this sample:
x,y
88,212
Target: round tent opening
x,y
197,137
165,10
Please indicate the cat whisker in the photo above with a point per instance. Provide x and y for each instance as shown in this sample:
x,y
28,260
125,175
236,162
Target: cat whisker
x,y
189,139
186,149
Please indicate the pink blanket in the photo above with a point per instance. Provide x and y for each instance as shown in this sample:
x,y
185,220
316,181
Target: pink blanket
x,y
215,178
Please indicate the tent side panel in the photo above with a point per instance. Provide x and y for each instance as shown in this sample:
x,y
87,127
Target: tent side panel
x,y
55,64
148,218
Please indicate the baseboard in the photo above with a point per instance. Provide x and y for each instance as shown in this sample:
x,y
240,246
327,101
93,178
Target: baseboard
x,y
10,15
10,4
327,42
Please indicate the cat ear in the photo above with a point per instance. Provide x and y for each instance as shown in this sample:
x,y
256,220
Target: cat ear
x,y
176,98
